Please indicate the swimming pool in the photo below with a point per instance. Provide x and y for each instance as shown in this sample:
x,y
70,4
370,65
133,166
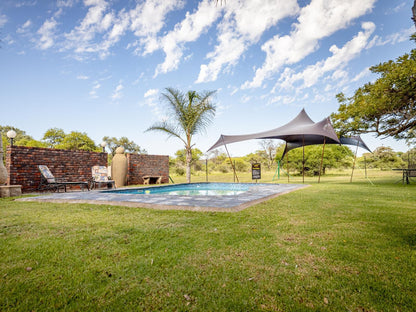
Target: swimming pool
x,y
194,189
249,194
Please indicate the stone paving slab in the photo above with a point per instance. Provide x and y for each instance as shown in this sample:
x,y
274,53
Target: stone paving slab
x,y
227,203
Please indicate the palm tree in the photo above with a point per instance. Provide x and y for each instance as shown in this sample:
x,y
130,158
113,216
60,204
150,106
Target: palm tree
x,y
191,113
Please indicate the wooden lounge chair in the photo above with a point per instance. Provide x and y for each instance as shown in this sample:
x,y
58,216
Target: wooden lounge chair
x,y
100,176
49,182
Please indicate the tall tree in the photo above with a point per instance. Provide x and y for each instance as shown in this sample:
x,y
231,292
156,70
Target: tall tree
x,y
335,157
53,136
129,146
270,147
20,134
383,157
191,113
387,106
21,139
78,141
180,160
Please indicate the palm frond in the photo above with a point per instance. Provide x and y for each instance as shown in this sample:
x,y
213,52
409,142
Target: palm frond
x,y
166,128
190,113
204,112
175,100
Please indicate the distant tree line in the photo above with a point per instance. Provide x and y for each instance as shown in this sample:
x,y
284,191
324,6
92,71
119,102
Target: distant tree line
x,y
335,157
75,140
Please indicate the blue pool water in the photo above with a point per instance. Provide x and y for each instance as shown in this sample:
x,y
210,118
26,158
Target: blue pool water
x,y
210,189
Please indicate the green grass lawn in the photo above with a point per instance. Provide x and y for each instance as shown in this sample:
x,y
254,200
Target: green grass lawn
x,y
335,246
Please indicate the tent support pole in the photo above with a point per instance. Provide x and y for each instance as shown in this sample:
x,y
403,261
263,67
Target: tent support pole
x,y
231,162
322,161
277,172
303,160
287,160
365,167
353,164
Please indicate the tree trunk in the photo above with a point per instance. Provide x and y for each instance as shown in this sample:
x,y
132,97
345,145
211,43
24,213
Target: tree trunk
x,y
188,164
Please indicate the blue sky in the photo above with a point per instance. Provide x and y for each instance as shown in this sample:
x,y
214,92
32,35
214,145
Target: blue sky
x,y
99,66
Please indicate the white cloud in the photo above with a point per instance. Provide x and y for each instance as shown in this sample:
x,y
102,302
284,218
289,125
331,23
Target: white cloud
x,y
396,8
399,7
137,81
339,74
83,77
117,92
362,74
283,99
335,63
93,92
188,57
245,98
65,3
24,27
151,92
319,19
81,39
25,3
234,90
47,33
9,40
119,26
190,29
3,20
328,88
148,18
398,37
151,100
242,26
101,28
230,48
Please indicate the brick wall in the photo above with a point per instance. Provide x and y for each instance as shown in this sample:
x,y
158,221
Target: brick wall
x,y
142,165
22,165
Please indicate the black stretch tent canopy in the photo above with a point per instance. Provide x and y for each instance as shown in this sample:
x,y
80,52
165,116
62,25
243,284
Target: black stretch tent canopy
x,y
356,141
299,132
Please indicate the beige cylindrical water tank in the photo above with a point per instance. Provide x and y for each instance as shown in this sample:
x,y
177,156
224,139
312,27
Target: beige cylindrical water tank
x,y
119,168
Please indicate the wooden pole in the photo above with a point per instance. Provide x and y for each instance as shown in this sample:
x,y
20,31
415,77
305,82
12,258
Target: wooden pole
x,y
287,160
353,164
365,167
322,161
234,170
278,170
303,160
231,162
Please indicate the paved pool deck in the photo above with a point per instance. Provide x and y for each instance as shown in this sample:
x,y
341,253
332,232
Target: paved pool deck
x,y
257,193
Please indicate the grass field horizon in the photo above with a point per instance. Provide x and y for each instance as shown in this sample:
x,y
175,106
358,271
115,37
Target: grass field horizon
x,y
334,246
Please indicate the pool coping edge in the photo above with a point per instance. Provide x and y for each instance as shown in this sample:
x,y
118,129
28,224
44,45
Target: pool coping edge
x,y
236,208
